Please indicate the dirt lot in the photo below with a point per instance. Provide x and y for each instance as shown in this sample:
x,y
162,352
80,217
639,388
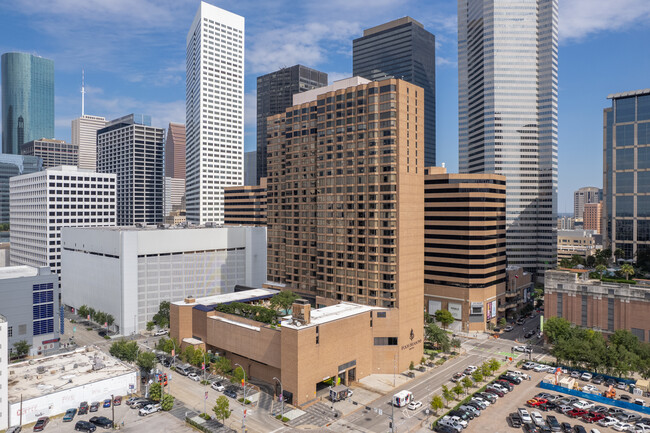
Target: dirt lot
x,y
493,419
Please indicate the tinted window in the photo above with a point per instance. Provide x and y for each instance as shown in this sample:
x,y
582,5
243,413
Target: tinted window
x,y
625,183
625,135
625,159
624,206
643,107
643,230
625,109
642,206
643,157
643,181
624,230
643,133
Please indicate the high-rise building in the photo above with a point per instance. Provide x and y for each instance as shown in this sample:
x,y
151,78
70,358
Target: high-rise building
x,y
44,202
274,95
507,105
174,195
588,194
592,216
345,212
10,166
175,151
52,152
245,205
27,99
626,173
402,49
84,135
4,366
465,247
133,150
250,168
214,111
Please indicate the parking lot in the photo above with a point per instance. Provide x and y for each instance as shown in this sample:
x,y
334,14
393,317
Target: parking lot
x,y
494,418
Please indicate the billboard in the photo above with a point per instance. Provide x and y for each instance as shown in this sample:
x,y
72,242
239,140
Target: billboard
x,y
456,310
434,306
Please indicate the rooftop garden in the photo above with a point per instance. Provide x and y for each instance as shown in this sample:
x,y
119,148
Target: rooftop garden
x,y
279,305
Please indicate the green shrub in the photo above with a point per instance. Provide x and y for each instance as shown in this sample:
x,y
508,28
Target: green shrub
x,y
242,400
205,416
282,418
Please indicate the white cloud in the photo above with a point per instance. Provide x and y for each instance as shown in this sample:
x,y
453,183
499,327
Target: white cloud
x,y
580,18
335,76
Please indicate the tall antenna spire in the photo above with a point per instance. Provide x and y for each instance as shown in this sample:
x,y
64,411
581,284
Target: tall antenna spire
x,y
83,92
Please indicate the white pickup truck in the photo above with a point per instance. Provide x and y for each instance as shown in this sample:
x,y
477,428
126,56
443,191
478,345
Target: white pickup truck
x,y
148,409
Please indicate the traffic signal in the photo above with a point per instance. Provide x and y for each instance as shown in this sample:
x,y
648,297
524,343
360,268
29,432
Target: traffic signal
x,y
165,381
242,382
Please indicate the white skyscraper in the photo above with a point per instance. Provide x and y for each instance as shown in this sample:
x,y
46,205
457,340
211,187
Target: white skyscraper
x,y
84,134
508,87
214,111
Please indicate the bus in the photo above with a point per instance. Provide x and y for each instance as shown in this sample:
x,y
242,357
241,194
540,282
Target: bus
x,y
402,398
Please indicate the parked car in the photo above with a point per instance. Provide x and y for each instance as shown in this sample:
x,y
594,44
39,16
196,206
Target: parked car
x,y
458,376
471,369
525,416
515,420
520,349
579,429
625,397
592,417
575,374
466,416
520,321
639,401
83,408
505,384
195,377
508,328
621,385
102,421
607,421
553,423
623,426
414,405
448,421
41,423
161,332
488,396
117,400
85,426
217,386
586,376
512,379
107,403
534,402
69,415
538,419
582,404
495,391
230,393
149,409
590,389
467,408
610,382
444,429
599,409
529,334
528,365
530,428
94,406
576,413
547,406
566,427
499,386
598,380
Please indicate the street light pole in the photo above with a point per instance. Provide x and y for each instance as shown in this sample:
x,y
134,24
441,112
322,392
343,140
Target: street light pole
x,y
392,403
281,397
243,418
204,383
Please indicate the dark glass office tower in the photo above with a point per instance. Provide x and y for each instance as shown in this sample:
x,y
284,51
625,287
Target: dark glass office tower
x,y
27,100
274,94
626,174
10,166
402,49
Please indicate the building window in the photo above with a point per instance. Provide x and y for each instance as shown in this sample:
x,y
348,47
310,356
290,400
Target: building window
x,y
381,314
559,304
10,332
385,341
22,329
640,333
584,310
610,314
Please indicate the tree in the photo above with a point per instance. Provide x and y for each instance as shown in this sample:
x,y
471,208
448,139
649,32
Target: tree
x,y
455,343
556,329
458,390
601,269
412,366
161,318
590,262
447,394
21,348
167,402
485,369
150,325
91,313
444,317
628,270
437,336
237,375
427,318
124,350
155,391
436,404
222,409
146,361
566,263
618,253
283,300
477,376
82,311
494,365
198,358
188,354
222,366
503,322
110,320
467,383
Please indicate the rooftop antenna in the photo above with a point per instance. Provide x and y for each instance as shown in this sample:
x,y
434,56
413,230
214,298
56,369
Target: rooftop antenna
x,y
83,91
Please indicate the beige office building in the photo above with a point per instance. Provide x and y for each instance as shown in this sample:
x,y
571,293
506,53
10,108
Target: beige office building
x,y
84,135
245,205
465,247
53,152
345,190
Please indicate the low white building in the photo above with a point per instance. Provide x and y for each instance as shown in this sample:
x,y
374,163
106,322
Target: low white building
x,y
4,369
128,271
51,385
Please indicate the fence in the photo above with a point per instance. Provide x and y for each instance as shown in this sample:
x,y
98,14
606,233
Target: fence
x,y
595,397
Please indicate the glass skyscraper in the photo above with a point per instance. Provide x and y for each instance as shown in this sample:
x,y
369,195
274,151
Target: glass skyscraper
x,y
27,100
507,115
274,95
626,173
402,49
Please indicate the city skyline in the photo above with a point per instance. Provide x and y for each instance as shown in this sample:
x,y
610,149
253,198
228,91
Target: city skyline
x,y
274,41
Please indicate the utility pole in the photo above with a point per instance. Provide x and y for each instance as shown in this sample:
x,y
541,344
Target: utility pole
x,y
281,397
243,418
113,408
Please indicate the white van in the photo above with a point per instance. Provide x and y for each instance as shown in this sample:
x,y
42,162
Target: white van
x,y
402,398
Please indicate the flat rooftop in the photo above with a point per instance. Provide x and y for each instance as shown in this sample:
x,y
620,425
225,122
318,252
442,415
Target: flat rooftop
x,y
181,226
9,272
629,93
43,376
226,298
331,313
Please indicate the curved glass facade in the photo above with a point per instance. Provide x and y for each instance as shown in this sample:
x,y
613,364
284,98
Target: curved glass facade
x,y
27,100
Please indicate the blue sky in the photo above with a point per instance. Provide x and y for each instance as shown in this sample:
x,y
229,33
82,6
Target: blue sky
x,y
133,52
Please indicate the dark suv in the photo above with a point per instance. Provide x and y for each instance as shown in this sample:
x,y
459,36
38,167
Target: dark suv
x,y
85,426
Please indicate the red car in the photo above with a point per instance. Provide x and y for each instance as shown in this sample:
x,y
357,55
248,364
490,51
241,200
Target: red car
x,y
533,402
117,400
592,417
575,413
41,423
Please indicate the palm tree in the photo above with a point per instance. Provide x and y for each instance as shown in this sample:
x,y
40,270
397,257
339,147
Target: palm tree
x,y
618,253
600,269
628,270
